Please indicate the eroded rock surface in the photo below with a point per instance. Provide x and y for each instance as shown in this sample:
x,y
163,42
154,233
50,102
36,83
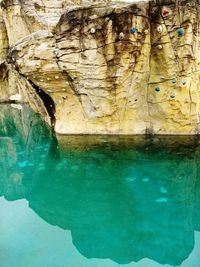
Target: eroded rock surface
x,y
104,67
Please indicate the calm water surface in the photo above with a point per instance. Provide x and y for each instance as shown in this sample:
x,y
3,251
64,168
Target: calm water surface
x,y
96,201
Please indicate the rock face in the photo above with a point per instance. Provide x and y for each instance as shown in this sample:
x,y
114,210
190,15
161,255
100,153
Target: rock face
x,y
104,67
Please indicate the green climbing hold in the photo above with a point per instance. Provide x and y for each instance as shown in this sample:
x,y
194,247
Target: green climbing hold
x,y
174,81
184,82
157,89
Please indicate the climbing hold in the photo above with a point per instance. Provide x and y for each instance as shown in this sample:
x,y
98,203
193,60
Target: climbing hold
x,y
92,30
165,12
173,96
170,56
159,29
16,97
174,81
157,89
160,47
146,31
133,30
131,64
121,36
184,82
180,32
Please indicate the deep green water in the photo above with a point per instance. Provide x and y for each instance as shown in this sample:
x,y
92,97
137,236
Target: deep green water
x,y
96,201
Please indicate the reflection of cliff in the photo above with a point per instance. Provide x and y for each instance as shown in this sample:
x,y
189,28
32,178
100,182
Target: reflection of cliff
x,y
21,133
125,204
119,208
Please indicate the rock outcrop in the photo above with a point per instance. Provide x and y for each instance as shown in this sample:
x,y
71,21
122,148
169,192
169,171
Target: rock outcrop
x,y
104,67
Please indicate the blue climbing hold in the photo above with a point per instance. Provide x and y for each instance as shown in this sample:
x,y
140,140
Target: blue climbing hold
x,y
180,32
157,89
133,30
174,81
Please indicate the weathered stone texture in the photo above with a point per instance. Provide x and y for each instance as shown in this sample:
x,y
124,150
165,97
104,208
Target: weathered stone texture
x,y
110,67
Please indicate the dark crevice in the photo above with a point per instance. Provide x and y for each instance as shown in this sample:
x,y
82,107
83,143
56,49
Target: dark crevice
x,y
47,101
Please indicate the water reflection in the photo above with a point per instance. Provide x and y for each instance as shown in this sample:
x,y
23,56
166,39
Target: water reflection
x,y
122,198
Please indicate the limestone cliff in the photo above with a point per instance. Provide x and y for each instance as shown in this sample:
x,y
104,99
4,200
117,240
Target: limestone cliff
x,y
104,67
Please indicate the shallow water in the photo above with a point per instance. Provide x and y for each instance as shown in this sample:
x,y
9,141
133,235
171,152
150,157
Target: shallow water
x,y
96,201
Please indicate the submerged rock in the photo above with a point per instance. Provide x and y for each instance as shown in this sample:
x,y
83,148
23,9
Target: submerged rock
x,y
94,65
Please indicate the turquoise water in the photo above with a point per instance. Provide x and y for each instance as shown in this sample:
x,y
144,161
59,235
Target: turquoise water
x,y
96,201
